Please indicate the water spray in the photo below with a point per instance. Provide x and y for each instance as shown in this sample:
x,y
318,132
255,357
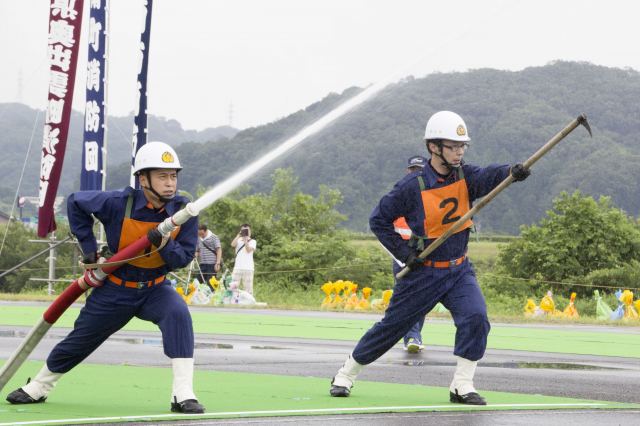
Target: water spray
x,y
82,284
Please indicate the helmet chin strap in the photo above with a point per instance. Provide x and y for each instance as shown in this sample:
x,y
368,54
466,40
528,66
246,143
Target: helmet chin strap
x,y
444,161
162,198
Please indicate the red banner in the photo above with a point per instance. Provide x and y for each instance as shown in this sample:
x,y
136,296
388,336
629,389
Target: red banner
x,y
65,20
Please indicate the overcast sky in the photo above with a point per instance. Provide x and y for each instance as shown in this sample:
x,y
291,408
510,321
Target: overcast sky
x,y
271,58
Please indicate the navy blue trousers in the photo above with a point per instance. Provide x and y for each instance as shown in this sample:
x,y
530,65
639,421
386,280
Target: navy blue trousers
x,y
415,332
415,295
207,270
111,307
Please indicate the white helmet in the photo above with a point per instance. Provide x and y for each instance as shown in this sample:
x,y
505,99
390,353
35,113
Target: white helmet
x,y
446,125
155,155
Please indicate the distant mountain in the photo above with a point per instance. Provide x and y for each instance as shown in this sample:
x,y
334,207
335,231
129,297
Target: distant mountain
x,y
17,122
509,114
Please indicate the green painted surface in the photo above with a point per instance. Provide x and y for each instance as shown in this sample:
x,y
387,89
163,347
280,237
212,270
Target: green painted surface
x,y
442,334
98,393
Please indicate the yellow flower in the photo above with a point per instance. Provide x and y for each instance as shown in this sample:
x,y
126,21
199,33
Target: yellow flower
x,y
547,304
386,296
328,288
627,297
214,283
530,307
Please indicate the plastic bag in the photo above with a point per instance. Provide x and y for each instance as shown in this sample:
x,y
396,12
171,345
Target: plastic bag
x,y
619,312
629,311
603,311
570,311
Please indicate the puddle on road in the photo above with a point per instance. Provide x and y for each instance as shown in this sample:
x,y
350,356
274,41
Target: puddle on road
x,y
561,366
158,342
201,345
154,341
198,345
547,365
138,341
266,347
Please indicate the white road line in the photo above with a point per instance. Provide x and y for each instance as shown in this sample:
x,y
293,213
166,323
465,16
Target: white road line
x,y
305,411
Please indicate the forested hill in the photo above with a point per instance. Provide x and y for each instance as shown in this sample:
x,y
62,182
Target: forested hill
x,y
17,122
509,116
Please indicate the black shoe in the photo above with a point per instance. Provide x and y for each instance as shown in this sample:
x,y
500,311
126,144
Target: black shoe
x,y
471,398
188,406
19,396
340,391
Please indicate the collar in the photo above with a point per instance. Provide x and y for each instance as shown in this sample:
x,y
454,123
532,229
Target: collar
x,y
437,174
140,202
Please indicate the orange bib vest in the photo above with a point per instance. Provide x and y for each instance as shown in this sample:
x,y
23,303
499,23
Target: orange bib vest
x,y
132,230
444,206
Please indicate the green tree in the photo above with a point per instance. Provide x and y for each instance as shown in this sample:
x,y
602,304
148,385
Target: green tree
x,y
17,248
577,237
300,243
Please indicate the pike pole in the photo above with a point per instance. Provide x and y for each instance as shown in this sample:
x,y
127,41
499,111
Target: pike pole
x,y
581,120
79,286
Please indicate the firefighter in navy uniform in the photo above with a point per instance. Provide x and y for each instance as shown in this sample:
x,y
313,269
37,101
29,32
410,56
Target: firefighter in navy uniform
x,y
413,339
431,202
138,288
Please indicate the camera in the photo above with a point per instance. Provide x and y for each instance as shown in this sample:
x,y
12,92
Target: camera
x,y
244,232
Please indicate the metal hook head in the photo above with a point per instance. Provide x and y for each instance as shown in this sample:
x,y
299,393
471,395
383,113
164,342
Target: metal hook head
x,y
582,119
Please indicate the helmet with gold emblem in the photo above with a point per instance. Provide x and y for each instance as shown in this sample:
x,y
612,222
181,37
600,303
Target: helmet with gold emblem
x,y
446,125
155,155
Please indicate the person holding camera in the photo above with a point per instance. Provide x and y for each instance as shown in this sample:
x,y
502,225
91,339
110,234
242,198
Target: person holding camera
x,y
243,267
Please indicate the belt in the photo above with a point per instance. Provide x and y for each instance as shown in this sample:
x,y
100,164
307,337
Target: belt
x,y
135,284
444,263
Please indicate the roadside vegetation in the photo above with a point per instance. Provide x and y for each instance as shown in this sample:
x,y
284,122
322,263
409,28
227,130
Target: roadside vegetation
x,y
582,244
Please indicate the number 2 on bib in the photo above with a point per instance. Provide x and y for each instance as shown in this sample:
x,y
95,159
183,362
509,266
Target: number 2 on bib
x,y
444,206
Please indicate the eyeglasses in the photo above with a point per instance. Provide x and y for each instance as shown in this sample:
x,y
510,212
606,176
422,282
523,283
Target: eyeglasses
x,y
457,148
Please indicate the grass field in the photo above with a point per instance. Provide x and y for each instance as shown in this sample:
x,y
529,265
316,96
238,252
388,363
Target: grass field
x,y
483,251
479,251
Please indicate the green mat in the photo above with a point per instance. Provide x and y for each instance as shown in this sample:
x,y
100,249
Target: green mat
x,y
100,393
250,324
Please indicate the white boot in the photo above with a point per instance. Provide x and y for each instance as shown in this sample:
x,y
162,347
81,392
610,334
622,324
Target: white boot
x,y
343,381
182,379
463,377
461,388
183,400
37,389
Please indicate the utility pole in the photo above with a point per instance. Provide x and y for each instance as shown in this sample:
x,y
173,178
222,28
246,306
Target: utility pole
x,y
52,262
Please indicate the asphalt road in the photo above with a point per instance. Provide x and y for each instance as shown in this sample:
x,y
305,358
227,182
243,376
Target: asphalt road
x,y
575,376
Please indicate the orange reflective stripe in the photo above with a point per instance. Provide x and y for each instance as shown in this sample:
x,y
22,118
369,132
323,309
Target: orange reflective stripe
x,y
401,227
404,233
444,206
